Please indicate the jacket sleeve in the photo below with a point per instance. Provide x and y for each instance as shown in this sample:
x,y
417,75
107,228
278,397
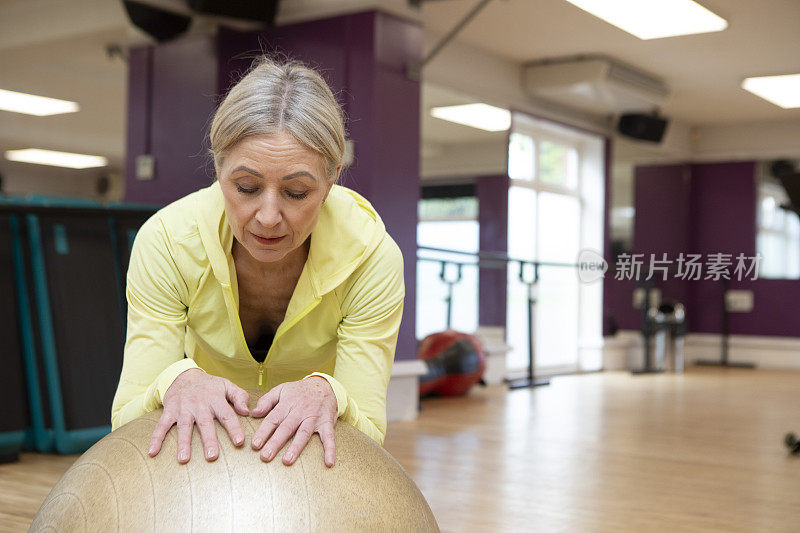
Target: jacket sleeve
x,y
371,311
154,343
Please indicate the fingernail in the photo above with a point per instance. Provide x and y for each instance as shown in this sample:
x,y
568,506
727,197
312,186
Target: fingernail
x,y
183,456
239,441
257,443
289,457
151,450
210,453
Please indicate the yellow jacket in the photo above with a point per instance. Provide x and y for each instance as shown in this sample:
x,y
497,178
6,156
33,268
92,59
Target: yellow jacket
x,y
341,322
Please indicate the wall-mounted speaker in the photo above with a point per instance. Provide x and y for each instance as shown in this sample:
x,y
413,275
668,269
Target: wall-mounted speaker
x,y
781,168
102,185
160,24
255,10
642,127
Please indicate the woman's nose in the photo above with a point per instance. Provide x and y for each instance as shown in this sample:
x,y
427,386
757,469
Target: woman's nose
x,y
269,213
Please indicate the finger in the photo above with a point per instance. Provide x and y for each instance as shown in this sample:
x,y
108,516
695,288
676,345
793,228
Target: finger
x,y
267,402
327,436
185,426
299,441
266,428
279,438
208,434
238,397
159,433
227,417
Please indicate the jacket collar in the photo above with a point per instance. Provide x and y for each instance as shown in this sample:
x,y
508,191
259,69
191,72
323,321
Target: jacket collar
x,y
348,230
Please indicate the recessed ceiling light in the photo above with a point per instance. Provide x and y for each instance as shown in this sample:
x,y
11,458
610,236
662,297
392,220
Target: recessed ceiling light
x,y
35,105
654,19
56,159
783,91
481,116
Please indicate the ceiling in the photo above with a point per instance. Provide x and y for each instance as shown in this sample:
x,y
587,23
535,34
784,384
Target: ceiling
x,y
704,71
56,48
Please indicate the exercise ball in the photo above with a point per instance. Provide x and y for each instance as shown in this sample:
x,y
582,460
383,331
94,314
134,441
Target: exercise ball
x,y
455,363
116,486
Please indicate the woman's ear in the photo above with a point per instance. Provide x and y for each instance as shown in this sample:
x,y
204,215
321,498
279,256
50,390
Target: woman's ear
x,y
330,183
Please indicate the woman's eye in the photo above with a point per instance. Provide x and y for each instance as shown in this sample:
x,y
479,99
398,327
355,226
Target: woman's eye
x,y
243,190
297,196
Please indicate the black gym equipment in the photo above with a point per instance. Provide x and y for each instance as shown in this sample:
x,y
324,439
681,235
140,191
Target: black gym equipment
x,y
67,260
793,443
15,417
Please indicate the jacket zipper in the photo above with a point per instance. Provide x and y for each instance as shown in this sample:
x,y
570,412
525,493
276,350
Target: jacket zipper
x,y
275,339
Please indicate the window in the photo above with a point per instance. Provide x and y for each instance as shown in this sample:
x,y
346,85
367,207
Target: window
x,y
778,238
555,210
452,224
521,157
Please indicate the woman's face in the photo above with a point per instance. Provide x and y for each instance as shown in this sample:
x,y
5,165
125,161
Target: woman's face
x,y
273,188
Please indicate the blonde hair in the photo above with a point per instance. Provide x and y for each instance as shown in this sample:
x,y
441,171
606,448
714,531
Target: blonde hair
x,y
275,97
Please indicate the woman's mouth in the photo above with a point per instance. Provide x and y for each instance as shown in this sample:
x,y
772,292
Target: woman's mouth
x,y
267,240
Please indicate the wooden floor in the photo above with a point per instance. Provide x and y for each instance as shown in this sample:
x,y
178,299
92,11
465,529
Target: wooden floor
x,y
700,451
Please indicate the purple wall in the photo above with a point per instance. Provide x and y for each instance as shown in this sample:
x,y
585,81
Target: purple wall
x,y
703,209
661,197
362,57
492,193
723,220
171,97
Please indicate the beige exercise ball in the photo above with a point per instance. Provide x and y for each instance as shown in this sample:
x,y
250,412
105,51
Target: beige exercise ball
x,y
116,486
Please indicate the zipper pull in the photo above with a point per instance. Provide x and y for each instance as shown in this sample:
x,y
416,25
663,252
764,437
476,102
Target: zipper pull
x,y
260,375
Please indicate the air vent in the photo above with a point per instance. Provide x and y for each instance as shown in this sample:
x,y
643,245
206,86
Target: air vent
x,y
594,83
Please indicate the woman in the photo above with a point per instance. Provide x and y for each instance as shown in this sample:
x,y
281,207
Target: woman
x,y
272,278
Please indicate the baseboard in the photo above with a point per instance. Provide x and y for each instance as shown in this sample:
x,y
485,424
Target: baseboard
x,y
763,351
402,396
625,350
620,351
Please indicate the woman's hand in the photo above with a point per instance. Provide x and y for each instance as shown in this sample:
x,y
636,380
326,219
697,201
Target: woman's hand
x,y
198,398
299,408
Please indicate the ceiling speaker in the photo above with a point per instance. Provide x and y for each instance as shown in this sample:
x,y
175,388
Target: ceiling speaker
x,y
160,24
255,10
642,127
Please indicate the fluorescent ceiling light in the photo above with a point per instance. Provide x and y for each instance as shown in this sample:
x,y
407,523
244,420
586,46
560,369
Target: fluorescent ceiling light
x,y
653,19
35,105
481,116
783,91
56,159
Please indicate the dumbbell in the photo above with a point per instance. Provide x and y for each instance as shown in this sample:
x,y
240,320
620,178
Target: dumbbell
x,y
793,443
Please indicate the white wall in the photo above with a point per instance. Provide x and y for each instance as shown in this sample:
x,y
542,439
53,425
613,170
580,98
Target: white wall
x,y
466,159
21,179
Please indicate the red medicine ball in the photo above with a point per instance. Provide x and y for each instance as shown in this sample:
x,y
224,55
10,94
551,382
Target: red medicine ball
x,y
455,362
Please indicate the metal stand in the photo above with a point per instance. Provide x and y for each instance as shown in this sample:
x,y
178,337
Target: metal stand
x,y
415,71
725,337
449,298
530,380
647,333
